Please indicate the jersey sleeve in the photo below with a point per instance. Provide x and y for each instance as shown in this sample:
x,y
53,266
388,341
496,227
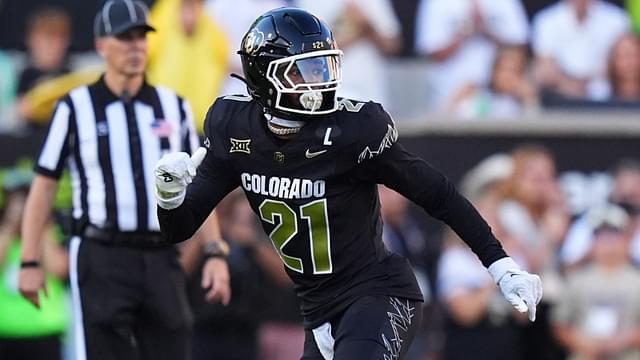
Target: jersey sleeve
x,y
57,143
377,133
390,164
213,181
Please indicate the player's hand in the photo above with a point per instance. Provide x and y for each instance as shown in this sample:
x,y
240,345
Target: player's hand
x,y
173,173
30,282
521,289
215,278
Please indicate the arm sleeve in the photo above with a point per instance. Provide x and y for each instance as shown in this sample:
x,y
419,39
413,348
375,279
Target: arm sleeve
x,y
55,149
418,181
214,180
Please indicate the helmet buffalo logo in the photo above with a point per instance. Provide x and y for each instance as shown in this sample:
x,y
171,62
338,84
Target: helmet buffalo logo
x,y
253,42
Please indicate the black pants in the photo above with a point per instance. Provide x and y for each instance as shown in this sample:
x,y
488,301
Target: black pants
x,y
133,302
372,328
37,348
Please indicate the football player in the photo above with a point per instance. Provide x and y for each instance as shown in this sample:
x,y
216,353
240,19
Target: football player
x,y
309,163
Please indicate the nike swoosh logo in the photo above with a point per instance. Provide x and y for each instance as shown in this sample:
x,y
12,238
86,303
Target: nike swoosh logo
x,y
311,155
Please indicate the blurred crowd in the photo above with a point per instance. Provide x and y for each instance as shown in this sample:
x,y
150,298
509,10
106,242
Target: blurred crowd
x,y
504,59
585,256
499,59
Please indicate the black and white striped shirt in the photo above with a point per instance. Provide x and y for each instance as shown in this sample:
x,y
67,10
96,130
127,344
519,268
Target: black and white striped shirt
x,y
112,147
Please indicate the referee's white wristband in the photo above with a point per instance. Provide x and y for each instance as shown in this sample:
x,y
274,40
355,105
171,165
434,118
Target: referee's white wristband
x,y
501,267
171,203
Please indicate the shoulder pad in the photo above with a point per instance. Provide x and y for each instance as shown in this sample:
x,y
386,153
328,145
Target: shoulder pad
x,y
222,110
378,132
350,105
225,113
241,98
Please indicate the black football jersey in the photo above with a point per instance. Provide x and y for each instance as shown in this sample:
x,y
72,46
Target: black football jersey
x,y
316,195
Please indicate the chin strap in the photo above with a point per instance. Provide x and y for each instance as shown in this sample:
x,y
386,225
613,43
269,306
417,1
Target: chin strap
x,y
236,76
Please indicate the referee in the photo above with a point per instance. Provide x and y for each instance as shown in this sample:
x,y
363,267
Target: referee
x,y
127,285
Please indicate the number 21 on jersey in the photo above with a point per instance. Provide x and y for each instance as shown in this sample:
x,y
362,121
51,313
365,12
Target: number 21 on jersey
x,y
286,228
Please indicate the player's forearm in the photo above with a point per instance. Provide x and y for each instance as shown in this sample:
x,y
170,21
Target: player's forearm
x,y
438,196
36,214
202,196
457,212
178,224
417,180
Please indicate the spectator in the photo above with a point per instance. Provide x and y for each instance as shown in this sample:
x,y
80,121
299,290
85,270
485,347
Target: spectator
x,y
532,212
571,43
188,54
624,69
235,17
626,193
532,208
28,333
461,38
47,37
367,31
479,183
7,92
509,94
478,322
598,316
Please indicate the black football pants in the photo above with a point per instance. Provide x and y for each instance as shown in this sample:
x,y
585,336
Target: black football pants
x,y
129,303
372,328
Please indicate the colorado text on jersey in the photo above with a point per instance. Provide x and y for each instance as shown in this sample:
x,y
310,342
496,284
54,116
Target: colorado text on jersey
x,y
283,187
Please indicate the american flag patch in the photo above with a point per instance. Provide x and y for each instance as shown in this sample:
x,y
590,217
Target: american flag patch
x,y
161,128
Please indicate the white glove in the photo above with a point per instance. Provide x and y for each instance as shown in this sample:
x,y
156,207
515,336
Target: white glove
x,y
521,289
174,172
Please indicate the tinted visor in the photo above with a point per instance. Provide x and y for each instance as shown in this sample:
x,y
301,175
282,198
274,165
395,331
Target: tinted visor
x,y
320,70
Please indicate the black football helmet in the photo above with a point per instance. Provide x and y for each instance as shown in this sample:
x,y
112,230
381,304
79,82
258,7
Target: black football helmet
x,y
291,64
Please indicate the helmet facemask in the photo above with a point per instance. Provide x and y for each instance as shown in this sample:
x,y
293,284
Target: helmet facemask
x,y
306,83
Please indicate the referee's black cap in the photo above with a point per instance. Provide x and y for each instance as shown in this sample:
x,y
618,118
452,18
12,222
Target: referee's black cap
x,y
118,16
